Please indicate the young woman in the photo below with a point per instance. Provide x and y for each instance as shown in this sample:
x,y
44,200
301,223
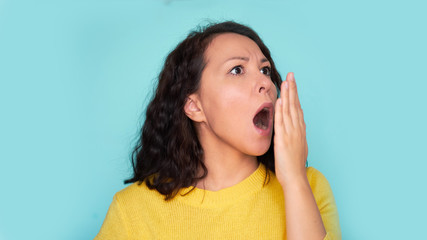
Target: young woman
x,y
209,165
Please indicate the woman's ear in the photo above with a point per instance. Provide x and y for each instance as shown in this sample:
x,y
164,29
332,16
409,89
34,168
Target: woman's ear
x,y
193,108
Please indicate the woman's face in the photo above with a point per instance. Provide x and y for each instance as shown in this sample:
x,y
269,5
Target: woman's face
x,y
237,95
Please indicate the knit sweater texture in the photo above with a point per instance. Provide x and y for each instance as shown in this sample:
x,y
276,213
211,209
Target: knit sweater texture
x,y
251,209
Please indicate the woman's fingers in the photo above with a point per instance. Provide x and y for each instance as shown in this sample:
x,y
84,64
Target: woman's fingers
x,y
290,144
285,106
298,106
291,114
301,118
293,101
278,116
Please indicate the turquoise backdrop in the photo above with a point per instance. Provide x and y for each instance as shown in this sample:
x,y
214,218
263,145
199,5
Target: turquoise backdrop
x,y
75,77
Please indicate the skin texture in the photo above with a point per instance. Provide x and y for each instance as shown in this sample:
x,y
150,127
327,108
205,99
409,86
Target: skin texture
x,y
223,109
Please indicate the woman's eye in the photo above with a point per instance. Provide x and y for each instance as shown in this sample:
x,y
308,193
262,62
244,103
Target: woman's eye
x,y
266,71
237,70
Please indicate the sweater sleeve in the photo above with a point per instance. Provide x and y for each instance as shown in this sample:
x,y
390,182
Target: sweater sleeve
x,y
325,202
115,223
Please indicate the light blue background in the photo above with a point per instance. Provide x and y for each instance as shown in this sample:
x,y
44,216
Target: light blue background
x,y
75,77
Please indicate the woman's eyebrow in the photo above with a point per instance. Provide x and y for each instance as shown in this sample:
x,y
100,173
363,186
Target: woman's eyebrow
x,y
245,59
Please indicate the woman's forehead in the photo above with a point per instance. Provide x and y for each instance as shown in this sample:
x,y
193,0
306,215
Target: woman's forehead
x,y
232,45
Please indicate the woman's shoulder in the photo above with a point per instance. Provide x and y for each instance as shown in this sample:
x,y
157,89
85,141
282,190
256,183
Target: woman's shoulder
x,y
325,201
315,175
316,178
320,186
137,192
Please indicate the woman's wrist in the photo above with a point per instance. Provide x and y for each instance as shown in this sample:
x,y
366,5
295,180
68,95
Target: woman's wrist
x,y
294,179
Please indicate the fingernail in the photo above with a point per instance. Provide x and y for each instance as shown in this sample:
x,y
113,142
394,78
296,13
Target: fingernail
x,y
286,85
292,77
279,101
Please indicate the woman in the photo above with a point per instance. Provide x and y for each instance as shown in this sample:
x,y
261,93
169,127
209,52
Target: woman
x,y
209,165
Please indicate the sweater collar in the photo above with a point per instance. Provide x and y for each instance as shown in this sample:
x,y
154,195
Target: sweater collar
x,y
205,198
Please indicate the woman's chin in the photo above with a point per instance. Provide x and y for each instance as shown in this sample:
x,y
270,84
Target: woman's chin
x,y
260,150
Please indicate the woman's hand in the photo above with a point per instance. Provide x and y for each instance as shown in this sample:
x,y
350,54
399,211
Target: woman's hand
x,y
290,143
303,220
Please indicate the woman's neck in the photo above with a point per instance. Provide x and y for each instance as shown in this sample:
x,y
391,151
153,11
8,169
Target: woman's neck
x,y
226,166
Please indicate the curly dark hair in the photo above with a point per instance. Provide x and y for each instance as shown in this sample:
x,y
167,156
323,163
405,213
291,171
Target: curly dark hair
x,y
168,155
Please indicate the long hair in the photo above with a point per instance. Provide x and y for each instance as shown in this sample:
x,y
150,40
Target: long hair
x,y
168,155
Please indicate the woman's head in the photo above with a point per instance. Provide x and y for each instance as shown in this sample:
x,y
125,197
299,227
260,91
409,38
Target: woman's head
x,y
169,149
232,109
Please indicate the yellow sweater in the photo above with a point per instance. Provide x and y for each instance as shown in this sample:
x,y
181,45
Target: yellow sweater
x,y
247,210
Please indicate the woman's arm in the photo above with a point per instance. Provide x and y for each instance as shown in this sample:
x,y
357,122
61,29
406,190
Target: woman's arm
x,y
303,219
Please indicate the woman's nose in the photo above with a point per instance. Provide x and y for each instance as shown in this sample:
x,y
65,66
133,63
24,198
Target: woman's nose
x,y
264,83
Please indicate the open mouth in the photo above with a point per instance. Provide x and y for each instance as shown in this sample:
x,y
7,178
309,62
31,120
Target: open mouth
x,y
263,117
